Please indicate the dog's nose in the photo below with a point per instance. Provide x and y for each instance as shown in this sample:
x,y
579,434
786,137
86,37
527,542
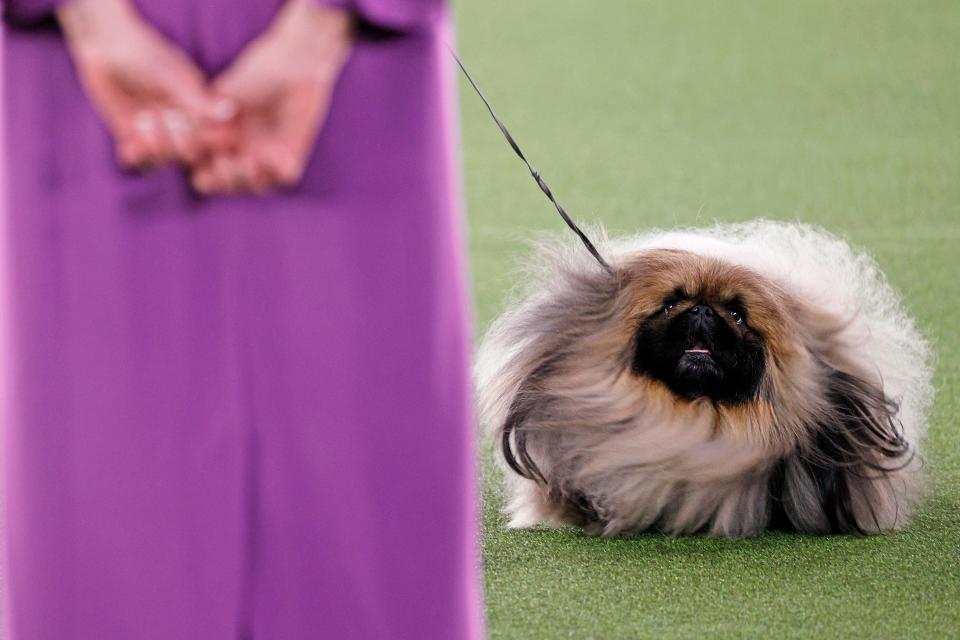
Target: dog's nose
x,y
701,311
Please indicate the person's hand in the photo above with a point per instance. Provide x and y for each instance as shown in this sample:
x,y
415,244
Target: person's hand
x,y
282,84
151,95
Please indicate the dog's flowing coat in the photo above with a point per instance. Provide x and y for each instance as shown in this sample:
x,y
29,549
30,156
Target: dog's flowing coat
x,y
829,442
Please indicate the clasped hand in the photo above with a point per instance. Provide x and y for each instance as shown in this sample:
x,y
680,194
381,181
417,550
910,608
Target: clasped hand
x,y
248,130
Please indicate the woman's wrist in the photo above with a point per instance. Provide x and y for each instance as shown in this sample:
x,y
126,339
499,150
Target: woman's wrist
x,y
94,22
307,25
314,16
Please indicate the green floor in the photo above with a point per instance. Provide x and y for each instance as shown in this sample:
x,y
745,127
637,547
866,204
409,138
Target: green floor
x,y
652,114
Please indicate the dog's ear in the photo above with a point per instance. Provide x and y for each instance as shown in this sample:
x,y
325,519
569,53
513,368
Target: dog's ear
x,y
840,481
527,402
516,454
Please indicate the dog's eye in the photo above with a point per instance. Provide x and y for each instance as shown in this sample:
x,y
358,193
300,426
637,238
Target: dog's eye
x,y
737,316
669,306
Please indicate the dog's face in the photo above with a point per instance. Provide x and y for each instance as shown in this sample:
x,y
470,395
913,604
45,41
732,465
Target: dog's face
x,y
700,325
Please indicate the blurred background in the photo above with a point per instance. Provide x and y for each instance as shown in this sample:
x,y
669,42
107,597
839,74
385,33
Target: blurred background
x,y
657,114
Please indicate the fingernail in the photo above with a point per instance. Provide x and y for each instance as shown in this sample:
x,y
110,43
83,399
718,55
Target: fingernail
x,y
125,156
201,184
289,169
144,122
175,120
224,109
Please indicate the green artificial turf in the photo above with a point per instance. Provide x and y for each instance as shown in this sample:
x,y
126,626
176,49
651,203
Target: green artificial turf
x,y
652,114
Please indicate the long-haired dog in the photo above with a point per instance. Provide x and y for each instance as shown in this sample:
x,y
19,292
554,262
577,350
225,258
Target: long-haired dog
x,y
724,381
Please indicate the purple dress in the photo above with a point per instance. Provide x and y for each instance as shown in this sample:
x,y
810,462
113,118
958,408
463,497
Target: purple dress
x,y
238,418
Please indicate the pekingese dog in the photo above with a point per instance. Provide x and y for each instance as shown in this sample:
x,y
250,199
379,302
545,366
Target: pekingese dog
x,y
721,381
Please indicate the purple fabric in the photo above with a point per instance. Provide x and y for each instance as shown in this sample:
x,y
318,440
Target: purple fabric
x,y
28,11
399,15
238,418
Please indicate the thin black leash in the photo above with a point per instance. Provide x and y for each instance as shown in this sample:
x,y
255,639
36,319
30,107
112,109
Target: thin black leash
x,y
536,176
